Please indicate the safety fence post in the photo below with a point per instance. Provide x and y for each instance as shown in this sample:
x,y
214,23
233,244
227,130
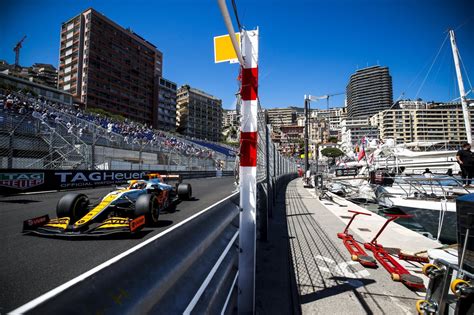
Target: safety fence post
x,y
264,234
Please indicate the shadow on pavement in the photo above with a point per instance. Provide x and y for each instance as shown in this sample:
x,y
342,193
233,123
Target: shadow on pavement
x,y
276,290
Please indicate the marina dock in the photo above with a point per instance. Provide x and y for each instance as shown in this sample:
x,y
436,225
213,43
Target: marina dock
x,y
304,257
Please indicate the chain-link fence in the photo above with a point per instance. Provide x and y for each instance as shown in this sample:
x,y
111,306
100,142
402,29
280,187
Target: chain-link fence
x,y
270,162
272,169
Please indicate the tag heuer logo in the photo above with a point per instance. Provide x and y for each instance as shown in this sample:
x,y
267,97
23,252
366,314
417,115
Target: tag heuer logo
x,y
21,180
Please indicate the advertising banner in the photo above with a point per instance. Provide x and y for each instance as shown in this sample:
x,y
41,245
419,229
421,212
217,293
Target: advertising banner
x,y
19,181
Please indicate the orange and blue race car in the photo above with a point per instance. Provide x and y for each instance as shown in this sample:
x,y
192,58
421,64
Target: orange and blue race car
x,y
125,210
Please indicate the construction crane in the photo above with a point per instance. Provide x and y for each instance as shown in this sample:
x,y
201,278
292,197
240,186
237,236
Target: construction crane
x,y
326,97
16,49
307,109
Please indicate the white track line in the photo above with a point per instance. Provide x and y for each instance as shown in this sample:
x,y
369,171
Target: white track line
x,y
38,192
211,274
48,295
230,293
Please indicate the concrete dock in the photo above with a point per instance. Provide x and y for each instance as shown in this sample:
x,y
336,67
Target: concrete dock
x,y
305,268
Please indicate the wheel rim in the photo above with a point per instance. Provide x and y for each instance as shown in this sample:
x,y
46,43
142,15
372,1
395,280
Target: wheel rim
x,y
155,210
76,213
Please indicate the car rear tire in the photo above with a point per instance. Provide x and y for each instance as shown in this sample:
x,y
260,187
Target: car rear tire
x,y
72,205
185,191
148,206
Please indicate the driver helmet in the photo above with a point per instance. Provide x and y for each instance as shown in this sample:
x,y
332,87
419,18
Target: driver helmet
x,y
138,185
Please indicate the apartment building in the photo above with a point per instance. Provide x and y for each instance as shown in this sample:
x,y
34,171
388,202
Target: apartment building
x,y
109,67
291,138
229,118
278,117
333,116
354,130
198,114
45,73
416,121
318,129
167,105
369,91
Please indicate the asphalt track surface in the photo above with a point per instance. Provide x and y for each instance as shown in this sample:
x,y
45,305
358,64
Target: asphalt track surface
x,y
31,265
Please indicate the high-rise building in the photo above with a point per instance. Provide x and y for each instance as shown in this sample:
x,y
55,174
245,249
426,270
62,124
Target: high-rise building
x,y
198,114
369,91
107,66
167,105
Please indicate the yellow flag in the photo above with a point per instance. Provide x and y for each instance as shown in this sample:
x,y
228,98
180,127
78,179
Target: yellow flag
x,y
223,49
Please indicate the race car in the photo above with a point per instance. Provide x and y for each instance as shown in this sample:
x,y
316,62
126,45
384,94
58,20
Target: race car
x,y
125,210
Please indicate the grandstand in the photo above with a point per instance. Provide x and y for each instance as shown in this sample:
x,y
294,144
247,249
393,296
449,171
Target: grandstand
x,y
69,138
226,151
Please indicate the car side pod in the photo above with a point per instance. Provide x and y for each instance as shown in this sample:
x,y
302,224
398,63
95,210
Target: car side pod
x,y
356,251
397,271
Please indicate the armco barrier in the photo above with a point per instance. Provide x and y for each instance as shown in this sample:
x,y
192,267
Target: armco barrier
x,y
14,181
190,268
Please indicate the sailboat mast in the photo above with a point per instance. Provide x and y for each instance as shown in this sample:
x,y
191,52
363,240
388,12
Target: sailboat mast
x,y
465,110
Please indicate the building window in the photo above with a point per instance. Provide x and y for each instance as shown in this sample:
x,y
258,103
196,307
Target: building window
x,y
70,26
68,52
69,43
67,87
69,35
68,61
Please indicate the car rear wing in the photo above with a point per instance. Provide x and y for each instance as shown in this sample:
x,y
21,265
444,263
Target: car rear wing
x,y
176,177
166,177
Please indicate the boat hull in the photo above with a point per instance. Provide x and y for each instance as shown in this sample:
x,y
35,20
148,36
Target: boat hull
x,y
427,214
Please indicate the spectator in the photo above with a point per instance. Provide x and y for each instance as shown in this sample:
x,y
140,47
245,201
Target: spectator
x,y
465,159
427,173
53,114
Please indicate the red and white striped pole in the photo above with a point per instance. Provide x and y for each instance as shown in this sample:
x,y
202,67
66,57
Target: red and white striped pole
x,y
247,54
248,172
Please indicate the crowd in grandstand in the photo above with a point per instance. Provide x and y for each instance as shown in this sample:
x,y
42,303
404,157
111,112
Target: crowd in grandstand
x,y
78,121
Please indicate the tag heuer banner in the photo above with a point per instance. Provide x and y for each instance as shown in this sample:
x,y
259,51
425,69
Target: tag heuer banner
x,y
18,181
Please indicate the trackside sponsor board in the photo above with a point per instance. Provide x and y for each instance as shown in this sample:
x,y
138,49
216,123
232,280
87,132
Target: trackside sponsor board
x,y
19,181
14,181
79,179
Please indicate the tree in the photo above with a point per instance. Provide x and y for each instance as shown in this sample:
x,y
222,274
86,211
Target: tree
x,y
332,153
332,139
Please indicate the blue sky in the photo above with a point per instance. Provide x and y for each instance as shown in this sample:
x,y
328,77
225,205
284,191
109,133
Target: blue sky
x,y
306,47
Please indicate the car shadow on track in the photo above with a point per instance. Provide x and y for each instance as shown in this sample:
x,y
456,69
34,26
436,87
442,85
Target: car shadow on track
x,y
20,201
162,223
108,237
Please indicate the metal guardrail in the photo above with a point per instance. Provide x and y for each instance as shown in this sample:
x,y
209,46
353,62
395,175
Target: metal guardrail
x,y
190,268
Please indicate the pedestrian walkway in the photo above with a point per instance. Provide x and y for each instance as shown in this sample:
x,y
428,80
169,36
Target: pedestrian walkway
x,y
306,268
